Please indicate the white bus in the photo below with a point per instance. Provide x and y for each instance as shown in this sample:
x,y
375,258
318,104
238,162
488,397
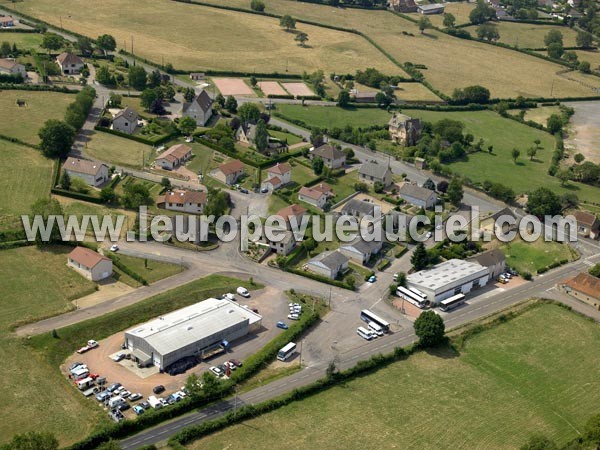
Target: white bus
x,y
364,333
286,352
411,297
368,316
418,292
452,302
375,328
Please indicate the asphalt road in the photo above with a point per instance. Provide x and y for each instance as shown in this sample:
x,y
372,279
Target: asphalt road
x,y
476,308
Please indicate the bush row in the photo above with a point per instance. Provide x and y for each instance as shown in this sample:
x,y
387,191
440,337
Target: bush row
x,y
140,139
11,78
17,141
384,265
19,30
557,155
76,195
38,87
552,266
15,244
285,96
124,268
321,278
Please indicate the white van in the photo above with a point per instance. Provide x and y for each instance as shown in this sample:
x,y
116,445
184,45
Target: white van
x,y
115,402
154,402
364,333
376,328
82,385
80,373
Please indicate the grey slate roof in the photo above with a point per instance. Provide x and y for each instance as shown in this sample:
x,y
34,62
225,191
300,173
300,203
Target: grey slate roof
x,y
331,260
128,113
203,100
364,247
327,151
358,206
414,191
373,169
488,258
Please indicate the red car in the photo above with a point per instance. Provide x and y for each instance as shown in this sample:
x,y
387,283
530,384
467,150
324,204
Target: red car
x,y
93,376
83,349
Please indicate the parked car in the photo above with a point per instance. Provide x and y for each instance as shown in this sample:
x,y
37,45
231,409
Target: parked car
x,y
118,357
113,387
114,248
264,190
395,277
372,279
507,275
137,409
144,405
243,292
135,397
75,365
293,316
125,393
244,191
230,365
282,325
102,396
189,139
230,296
236,362
158,389
216,371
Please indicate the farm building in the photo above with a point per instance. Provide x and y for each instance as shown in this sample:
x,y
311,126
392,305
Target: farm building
x,y
449,278
190,331
90,264
583,287
93,173
11,67
200,109
174,156
434,8
125,121
69,63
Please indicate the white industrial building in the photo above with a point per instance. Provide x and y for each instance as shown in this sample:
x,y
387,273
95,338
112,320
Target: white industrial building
x,y
449,278
190,331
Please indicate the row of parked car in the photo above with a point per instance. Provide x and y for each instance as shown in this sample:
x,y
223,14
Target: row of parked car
x,y
221,370
295,311
507,276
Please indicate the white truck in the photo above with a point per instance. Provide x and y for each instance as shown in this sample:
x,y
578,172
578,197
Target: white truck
x,y
154,402
84,384
115,402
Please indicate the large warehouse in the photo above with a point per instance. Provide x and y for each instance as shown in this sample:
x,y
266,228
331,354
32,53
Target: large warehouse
x,y
190,331
449,278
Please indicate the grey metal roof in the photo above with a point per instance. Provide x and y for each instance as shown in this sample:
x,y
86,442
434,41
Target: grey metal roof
x,y
364,247
373,169
353,206
489,257
331,260
447,275
414,191
327,151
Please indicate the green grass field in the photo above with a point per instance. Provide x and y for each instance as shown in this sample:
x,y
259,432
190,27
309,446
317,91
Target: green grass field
x,y
525,35
39,398
532,256
282,135
119,151
460,10
506,384
231,34
23,122
150,269
25,176
24,41
540,114
333,116
506,134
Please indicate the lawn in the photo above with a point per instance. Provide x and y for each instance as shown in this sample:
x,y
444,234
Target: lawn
x,y
506,134
39,397
231,35
531,256
25,176
150,269
343,186
24,122
524,35
333,116
540,114
414,92
119,151
283,136
460,10
24,41
506,384
301,174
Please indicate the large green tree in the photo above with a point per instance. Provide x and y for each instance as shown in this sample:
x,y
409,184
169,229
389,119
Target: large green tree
x,y
52,41
137,77
542,202
287,22
106,43
455,191
249,112
430,329
57,138
261,137
553,36
186,125
420,258
33,440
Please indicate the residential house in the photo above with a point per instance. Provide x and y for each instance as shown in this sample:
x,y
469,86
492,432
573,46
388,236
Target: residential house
x,y
418,196
174,156
404,130
364,96
403,6
312,196
246,133
90,264
588,225
359,208
11,67
281,246
6,22
191,202
200,109
125,121
372,172
278,176
434,8
93,173
292,212
329,264
69,63
332,157
493,259
361,251
584,287
229,172
197,76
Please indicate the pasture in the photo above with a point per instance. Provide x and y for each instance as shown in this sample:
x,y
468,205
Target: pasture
x,y
23,122
493,393
40,397
119,151
413,92
24,41
193,37
333,116
460,10
506,134
150,269
532,256
524,35
25,177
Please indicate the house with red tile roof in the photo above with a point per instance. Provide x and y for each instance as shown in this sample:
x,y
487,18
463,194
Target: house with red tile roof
x,y
90,264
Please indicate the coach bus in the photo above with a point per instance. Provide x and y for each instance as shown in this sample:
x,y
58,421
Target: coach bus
x,y
411,297
368,316
414,290
452,302
287,351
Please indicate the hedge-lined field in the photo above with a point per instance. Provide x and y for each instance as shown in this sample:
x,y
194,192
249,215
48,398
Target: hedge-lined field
x,y
526,35
507,383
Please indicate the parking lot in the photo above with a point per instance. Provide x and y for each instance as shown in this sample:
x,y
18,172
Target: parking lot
x,y
272,305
